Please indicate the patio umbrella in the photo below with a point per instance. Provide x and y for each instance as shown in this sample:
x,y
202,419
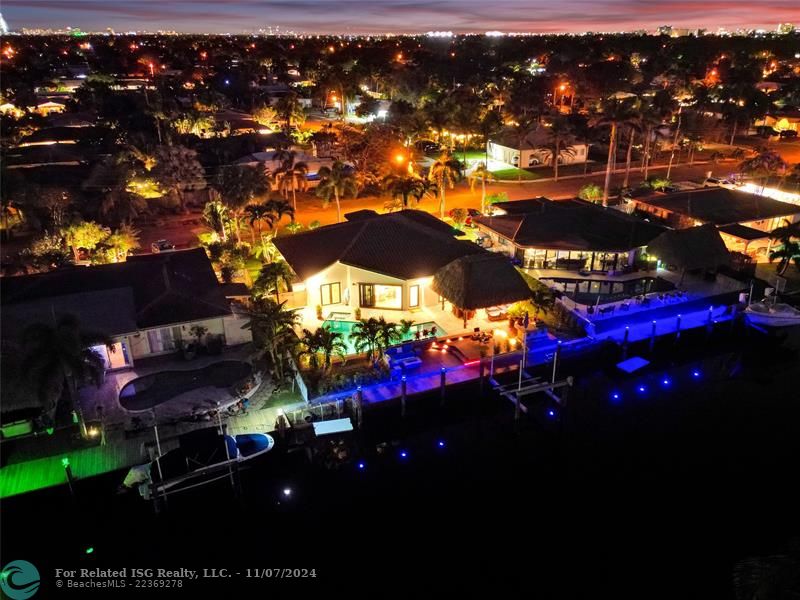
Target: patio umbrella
x,y
480,281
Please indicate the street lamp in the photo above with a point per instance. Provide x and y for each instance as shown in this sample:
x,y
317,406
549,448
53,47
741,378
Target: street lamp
x,y
151,69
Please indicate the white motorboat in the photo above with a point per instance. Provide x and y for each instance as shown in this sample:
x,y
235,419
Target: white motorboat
x,y
769,314
202,457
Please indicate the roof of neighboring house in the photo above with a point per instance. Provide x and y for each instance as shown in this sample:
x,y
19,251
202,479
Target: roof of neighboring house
x,y
720,206
691,248
55,134
480,280
91,308
570,225
55,154
166,288
520,207
406,245
743,232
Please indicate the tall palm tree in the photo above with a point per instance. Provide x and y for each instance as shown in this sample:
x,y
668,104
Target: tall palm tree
x,y
291,175
765,164
271,276
405,186
273,329
481,173
616,114
256,215
559,145
445,172
57,358
366,336
290,110
650,119
336,181
238,186
634,127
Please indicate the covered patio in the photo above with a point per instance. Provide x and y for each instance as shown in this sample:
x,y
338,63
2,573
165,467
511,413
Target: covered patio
x,y
479,281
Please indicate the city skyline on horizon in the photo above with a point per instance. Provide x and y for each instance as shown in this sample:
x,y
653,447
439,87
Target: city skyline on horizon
x,y
383,16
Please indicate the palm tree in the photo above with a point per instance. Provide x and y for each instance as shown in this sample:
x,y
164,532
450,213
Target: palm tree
x,y
273,329
366,335
616,114
323,342
405,186
215,214
765,164
177,170
481,173
634,127
257,214
650,119
122,241
560,136
238,186
58,358
290,110
388,333
788,252
290,175
445,171
336,181
271,276
280,208
790,249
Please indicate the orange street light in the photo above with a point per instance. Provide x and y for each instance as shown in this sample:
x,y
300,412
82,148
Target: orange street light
x,y
400,159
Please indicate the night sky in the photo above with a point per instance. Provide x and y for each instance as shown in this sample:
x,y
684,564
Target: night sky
x,y
401,16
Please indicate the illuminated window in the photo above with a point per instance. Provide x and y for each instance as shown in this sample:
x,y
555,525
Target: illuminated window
x,y
381,296
330,293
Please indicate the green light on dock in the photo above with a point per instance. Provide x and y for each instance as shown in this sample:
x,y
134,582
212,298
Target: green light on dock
x,y
90,550
65,462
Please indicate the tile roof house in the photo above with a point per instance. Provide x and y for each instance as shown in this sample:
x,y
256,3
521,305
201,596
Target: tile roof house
x,y
147,304
745,220
372,261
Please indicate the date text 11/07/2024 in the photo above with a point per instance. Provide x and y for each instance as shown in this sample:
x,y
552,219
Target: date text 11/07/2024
x,y
266,573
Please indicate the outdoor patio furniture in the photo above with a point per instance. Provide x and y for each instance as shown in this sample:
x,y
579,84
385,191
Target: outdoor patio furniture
x,y
607,310
625,306
411,363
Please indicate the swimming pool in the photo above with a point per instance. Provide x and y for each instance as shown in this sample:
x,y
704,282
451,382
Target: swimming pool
x,y
346,328
151,390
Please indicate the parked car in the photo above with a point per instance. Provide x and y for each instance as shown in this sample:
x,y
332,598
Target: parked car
x,y
716,181
162,246
427,146
788,134
765,131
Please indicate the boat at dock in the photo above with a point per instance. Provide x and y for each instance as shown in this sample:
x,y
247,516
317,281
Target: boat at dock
x,y
202,456
773,314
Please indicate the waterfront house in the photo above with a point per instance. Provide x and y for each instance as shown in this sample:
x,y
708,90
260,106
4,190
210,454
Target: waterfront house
x,y
744,220
147,305
587,251
384,265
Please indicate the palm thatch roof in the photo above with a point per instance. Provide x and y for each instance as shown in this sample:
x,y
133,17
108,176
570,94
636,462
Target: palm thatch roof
x,y
479,281
693,248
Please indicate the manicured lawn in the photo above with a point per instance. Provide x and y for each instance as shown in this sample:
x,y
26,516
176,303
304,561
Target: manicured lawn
x,y
514,174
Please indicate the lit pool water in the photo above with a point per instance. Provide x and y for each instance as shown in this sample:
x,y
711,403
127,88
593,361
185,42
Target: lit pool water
x,y
346,328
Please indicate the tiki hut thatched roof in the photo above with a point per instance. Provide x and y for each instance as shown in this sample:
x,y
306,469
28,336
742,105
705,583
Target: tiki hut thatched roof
x,y
693,248
480,280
